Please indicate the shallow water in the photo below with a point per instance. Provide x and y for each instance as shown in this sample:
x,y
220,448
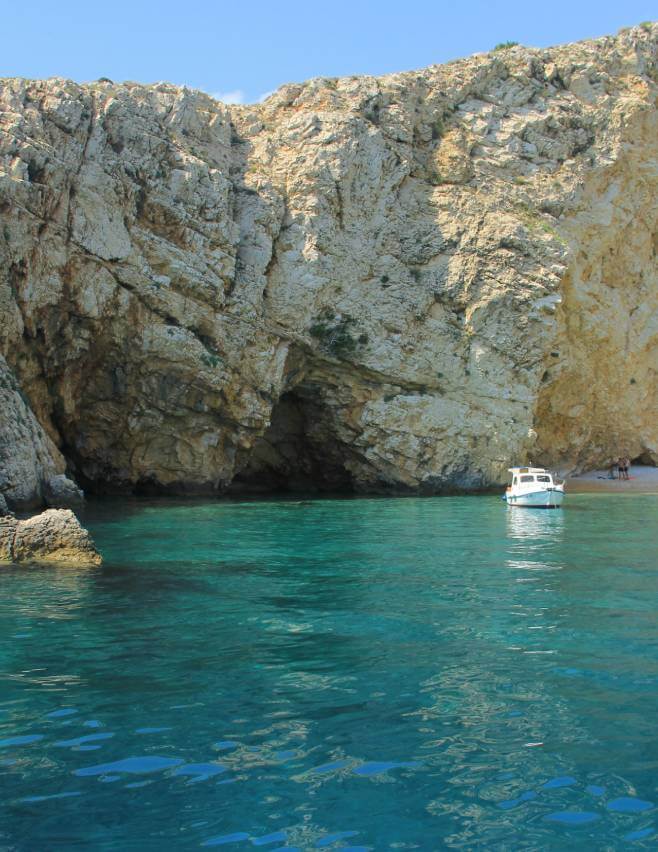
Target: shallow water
x,y
362,674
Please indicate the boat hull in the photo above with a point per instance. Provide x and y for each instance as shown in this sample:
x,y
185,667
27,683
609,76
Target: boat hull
x,y
537,499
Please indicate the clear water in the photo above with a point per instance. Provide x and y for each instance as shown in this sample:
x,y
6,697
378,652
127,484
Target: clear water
x,y
362,674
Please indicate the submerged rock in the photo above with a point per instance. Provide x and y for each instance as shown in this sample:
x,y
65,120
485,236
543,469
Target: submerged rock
x,y
53,536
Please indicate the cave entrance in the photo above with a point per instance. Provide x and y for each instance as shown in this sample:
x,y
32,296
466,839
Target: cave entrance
x,y
299,452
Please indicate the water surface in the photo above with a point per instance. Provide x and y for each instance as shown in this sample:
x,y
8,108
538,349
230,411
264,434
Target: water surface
x,y
356,674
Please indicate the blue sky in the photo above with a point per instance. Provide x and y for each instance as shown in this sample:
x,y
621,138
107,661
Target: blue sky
x,y
245,49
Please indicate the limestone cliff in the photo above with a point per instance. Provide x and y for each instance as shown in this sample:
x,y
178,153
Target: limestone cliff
x,y
401,282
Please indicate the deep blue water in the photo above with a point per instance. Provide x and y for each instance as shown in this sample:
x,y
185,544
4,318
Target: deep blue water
x,y
366,674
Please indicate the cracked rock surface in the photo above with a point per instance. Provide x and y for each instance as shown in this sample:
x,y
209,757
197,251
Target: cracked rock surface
x,y
54,536
407,282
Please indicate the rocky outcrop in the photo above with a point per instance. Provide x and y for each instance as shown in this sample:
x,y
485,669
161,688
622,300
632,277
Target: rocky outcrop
x,y
405,282
54,536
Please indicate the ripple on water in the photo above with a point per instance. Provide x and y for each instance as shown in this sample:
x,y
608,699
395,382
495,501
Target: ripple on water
x,y
22,740
640,834
274,837
236,837
595,790
629,805
33,799
377,767
330,767
508,804
132,765
224,745
573,818
283,756
330,839
151,730
80,741
200,771
557,783
59,714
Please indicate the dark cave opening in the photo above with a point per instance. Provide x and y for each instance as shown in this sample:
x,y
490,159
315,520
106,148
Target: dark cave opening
x,y
645,459
299,452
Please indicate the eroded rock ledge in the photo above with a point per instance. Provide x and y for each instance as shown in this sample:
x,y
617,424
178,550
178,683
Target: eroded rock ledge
x,y
54,536
397,283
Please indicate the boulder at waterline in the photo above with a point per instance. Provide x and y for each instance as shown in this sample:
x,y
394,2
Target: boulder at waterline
x,y
53,536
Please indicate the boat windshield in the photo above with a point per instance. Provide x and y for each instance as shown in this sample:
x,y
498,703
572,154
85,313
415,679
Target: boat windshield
x,y
527,478
543,478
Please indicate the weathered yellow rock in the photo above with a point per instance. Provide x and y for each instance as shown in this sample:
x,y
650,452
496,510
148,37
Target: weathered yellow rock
x,y
404,282
53,536
8,526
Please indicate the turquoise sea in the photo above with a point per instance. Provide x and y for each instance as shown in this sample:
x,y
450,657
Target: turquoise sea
x,y
439,673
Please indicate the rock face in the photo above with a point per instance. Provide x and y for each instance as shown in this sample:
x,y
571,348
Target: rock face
x,y
53,536
59,492
27,454
30,463
406,282
4,508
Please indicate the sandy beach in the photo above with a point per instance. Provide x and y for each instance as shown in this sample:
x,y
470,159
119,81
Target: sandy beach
x,y
644,480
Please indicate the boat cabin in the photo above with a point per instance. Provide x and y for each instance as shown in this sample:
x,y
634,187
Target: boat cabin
x,y
524,477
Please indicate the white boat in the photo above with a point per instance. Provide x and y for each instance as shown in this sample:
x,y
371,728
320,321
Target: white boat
x,y
534,487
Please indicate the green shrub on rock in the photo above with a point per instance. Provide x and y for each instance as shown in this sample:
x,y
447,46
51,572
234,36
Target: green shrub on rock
x,y
332,331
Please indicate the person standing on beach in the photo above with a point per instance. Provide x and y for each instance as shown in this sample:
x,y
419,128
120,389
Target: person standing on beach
x,y
624,464
627,467
614,464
